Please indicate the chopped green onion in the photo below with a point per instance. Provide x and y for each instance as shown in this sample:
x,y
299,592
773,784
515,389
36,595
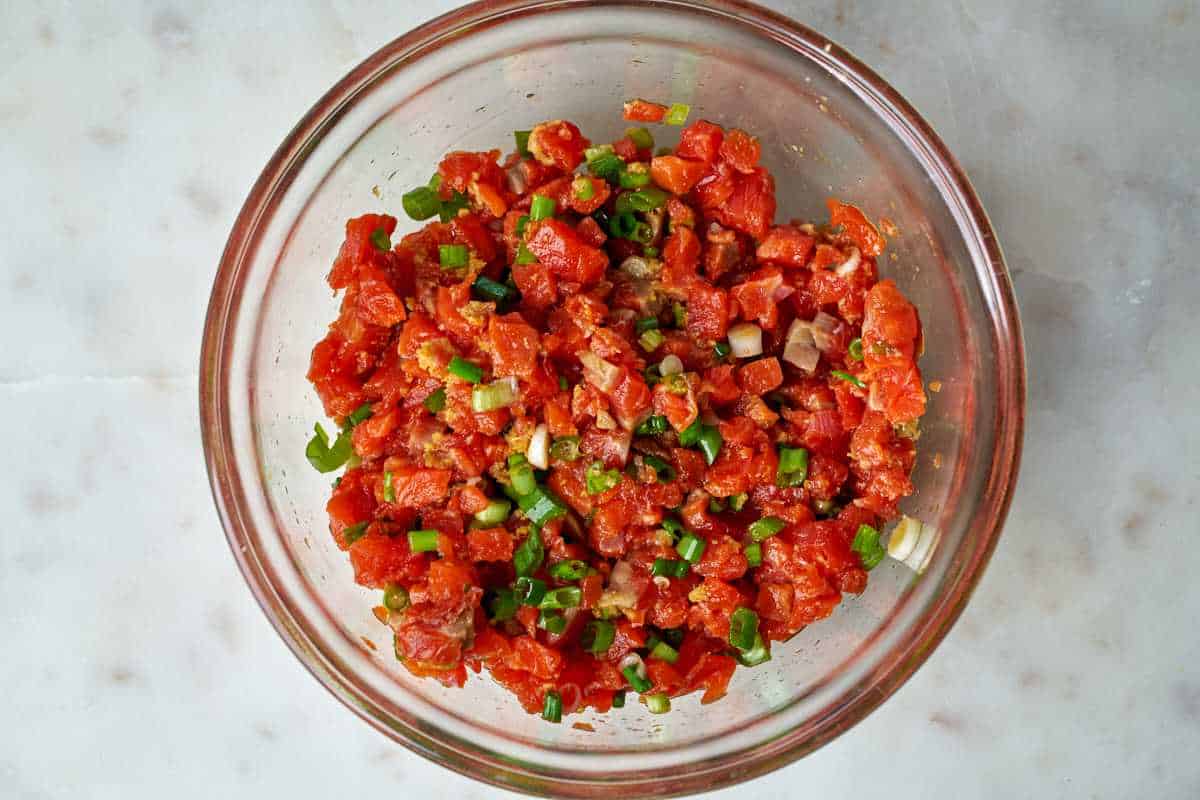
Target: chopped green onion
x,y
529,591
793,467
738,501
322,456
848,378
622,225
638,681
551,621
461,368
524,255
710,443
598,636
489,397
680,315
423,541
389,489
596,151
690,436
650,252
765,528
646,199
640,137
360,414
691,547
633,179
381,240
674,528
522,222
562,597
866,544
664,471
504,605
658,703
721,349
541,207
654,425
716,505
618,700
677,114
652,375
600,480
352,533
642,233
753,553
669,568
664,652
522,141
436,400
492,290
743,627
646,324
562,384
757,654
453,256
855,349
494,513
565,448
583,189
451,207
570,570
651,340
421,203
607,166
552,707
540,506
529,555
395,597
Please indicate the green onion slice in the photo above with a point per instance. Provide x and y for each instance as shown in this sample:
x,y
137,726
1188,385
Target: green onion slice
x,y
552,707
598,636
848,378
436,400
423,541
743,627
691,547
529,555
421,203
765,528
323,456
465,370
569,570
866,544
541,207
677,114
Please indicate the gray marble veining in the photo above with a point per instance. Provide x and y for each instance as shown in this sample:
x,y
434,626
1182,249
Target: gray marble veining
x,y
135,663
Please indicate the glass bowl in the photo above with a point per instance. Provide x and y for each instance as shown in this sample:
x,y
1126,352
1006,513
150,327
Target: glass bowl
x,y
828,126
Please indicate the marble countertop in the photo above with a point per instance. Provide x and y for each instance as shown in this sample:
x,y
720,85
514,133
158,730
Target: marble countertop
x,y
136,664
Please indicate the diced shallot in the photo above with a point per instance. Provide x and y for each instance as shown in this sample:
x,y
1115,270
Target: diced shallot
x,y
799,349
745,340
538,451
823,327
598,372
848,266
516,178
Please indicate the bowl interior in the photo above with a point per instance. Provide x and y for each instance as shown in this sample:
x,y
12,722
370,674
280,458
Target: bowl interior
x,y
824,132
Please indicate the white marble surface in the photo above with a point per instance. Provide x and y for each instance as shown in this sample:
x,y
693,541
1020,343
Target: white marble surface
x,y
135,663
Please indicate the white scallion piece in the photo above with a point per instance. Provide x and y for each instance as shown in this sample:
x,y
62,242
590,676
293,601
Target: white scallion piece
x,y
745,340
671,365
538,451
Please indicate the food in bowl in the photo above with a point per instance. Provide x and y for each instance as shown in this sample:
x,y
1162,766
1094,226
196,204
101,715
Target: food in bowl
x,y
608,426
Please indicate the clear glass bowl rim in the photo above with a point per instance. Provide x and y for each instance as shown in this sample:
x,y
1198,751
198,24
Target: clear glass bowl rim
x,y
495,768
